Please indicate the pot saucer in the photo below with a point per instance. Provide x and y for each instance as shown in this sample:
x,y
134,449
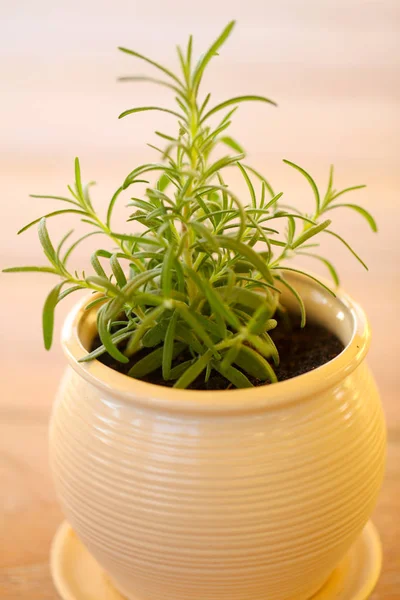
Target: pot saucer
x,y
77,576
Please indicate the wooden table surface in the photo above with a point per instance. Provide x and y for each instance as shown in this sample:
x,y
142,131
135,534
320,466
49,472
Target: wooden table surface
x,y
333,67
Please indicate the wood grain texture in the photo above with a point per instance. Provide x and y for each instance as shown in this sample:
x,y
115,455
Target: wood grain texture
x,y
334,69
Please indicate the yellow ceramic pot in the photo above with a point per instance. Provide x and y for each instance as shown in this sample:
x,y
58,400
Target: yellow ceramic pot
x,y
228,495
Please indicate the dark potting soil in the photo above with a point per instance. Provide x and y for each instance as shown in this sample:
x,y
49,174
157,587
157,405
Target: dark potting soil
x,y
300,351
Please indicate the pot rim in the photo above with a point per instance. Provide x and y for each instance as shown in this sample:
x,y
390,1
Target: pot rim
x,y
253,399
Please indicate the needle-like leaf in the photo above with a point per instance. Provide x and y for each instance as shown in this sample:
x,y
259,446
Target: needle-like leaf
x,y
139,109
234,101
48,315
194,370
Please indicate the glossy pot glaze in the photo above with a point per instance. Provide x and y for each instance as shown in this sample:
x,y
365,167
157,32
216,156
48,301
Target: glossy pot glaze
x,y
227,495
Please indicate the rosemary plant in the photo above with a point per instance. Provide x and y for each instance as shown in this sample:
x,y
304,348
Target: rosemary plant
x,y
190,293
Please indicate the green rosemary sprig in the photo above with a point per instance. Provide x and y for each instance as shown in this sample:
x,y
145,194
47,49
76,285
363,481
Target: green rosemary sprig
x,y
200,282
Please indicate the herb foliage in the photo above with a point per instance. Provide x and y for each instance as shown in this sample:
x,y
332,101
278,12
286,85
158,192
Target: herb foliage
x,y
202,279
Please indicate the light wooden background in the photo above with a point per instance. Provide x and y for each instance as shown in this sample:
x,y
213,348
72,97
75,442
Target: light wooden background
x,y
333,67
